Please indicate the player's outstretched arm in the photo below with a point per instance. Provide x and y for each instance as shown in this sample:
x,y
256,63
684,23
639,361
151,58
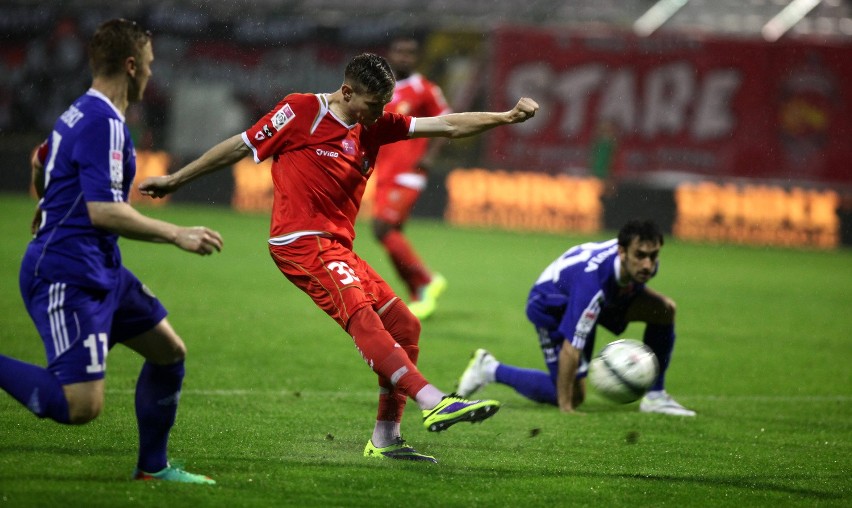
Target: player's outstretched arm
x,y
224,154
124,220
460,125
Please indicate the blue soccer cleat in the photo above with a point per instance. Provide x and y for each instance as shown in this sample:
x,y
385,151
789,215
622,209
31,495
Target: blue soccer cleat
x,y
173,474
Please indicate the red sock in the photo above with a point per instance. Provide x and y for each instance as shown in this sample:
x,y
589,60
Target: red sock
x,y
408,265
391,403
383,354
403,327
405,330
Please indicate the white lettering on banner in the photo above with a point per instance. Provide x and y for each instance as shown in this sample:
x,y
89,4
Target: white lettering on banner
x,y
668,93
713,116
670,99
618,102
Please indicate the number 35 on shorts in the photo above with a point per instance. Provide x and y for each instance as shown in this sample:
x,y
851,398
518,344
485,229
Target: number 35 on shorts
x,y
346,273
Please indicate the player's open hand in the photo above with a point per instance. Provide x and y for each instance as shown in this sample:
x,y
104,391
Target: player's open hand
x,y
523,110
157,186
199,240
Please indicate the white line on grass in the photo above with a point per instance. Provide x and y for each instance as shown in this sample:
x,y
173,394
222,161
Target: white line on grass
x,y
237,392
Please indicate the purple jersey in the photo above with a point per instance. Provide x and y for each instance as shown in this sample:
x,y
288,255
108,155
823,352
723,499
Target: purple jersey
x,y
570,294
89,157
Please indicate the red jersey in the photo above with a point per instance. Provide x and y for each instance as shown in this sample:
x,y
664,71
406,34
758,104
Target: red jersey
x,y
320,165
412,96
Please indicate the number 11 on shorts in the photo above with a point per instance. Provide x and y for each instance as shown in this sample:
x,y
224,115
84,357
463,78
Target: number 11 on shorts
x,y
96,354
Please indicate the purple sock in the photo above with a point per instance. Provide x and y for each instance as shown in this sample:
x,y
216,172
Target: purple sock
x,y
35,387
157,396
533,384
661,339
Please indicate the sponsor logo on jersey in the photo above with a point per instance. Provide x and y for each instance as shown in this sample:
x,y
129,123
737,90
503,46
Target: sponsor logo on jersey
x,y
282,117
263,133
116,170
327,153
348,147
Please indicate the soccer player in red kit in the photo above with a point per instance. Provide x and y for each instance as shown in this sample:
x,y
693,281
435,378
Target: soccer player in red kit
x,y
324,147
401,175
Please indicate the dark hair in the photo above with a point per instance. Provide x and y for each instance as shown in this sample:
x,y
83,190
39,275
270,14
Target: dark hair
x,y
370,73
645,230
114,41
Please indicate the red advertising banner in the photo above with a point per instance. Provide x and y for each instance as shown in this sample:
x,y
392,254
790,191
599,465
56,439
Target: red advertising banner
x,y
715,107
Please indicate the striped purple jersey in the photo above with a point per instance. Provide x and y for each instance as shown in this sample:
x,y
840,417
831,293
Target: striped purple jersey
x,y
571,292
89,157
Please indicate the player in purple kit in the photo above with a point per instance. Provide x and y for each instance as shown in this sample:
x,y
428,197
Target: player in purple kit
x,y
590,284
80,297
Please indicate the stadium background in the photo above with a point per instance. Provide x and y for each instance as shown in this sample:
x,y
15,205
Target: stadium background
x,y
713,124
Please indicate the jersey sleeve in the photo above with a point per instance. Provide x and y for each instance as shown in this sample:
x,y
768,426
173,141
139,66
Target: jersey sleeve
x,y
282,128
582,312
99,153
393,127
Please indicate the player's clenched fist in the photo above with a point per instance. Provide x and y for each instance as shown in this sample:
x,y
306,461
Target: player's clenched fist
x,y
523,110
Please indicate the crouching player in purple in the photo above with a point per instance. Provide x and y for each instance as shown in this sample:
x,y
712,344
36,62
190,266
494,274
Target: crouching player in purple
x,y
80,297
590,284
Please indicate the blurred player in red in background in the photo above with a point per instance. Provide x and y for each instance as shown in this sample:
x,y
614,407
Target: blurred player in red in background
x,y
324,148
401,175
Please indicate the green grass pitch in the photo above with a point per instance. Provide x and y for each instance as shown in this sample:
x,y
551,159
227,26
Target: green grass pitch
x,y
277,404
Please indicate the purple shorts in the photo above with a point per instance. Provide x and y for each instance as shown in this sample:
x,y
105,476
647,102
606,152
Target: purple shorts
x,y
79,325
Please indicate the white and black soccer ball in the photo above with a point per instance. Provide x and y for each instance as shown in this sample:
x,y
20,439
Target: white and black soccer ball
x,y
624,370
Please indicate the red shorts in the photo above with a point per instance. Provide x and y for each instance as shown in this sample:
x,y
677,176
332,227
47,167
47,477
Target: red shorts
x,y
337,280
394,202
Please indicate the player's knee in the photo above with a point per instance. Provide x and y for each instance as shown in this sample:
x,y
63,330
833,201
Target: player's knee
x,y
178,352
381,229
408,327
84,409
173,352
669,308
672,306
663,312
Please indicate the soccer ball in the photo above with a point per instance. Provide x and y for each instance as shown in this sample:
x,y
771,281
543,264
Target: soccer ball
x,y
624,370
